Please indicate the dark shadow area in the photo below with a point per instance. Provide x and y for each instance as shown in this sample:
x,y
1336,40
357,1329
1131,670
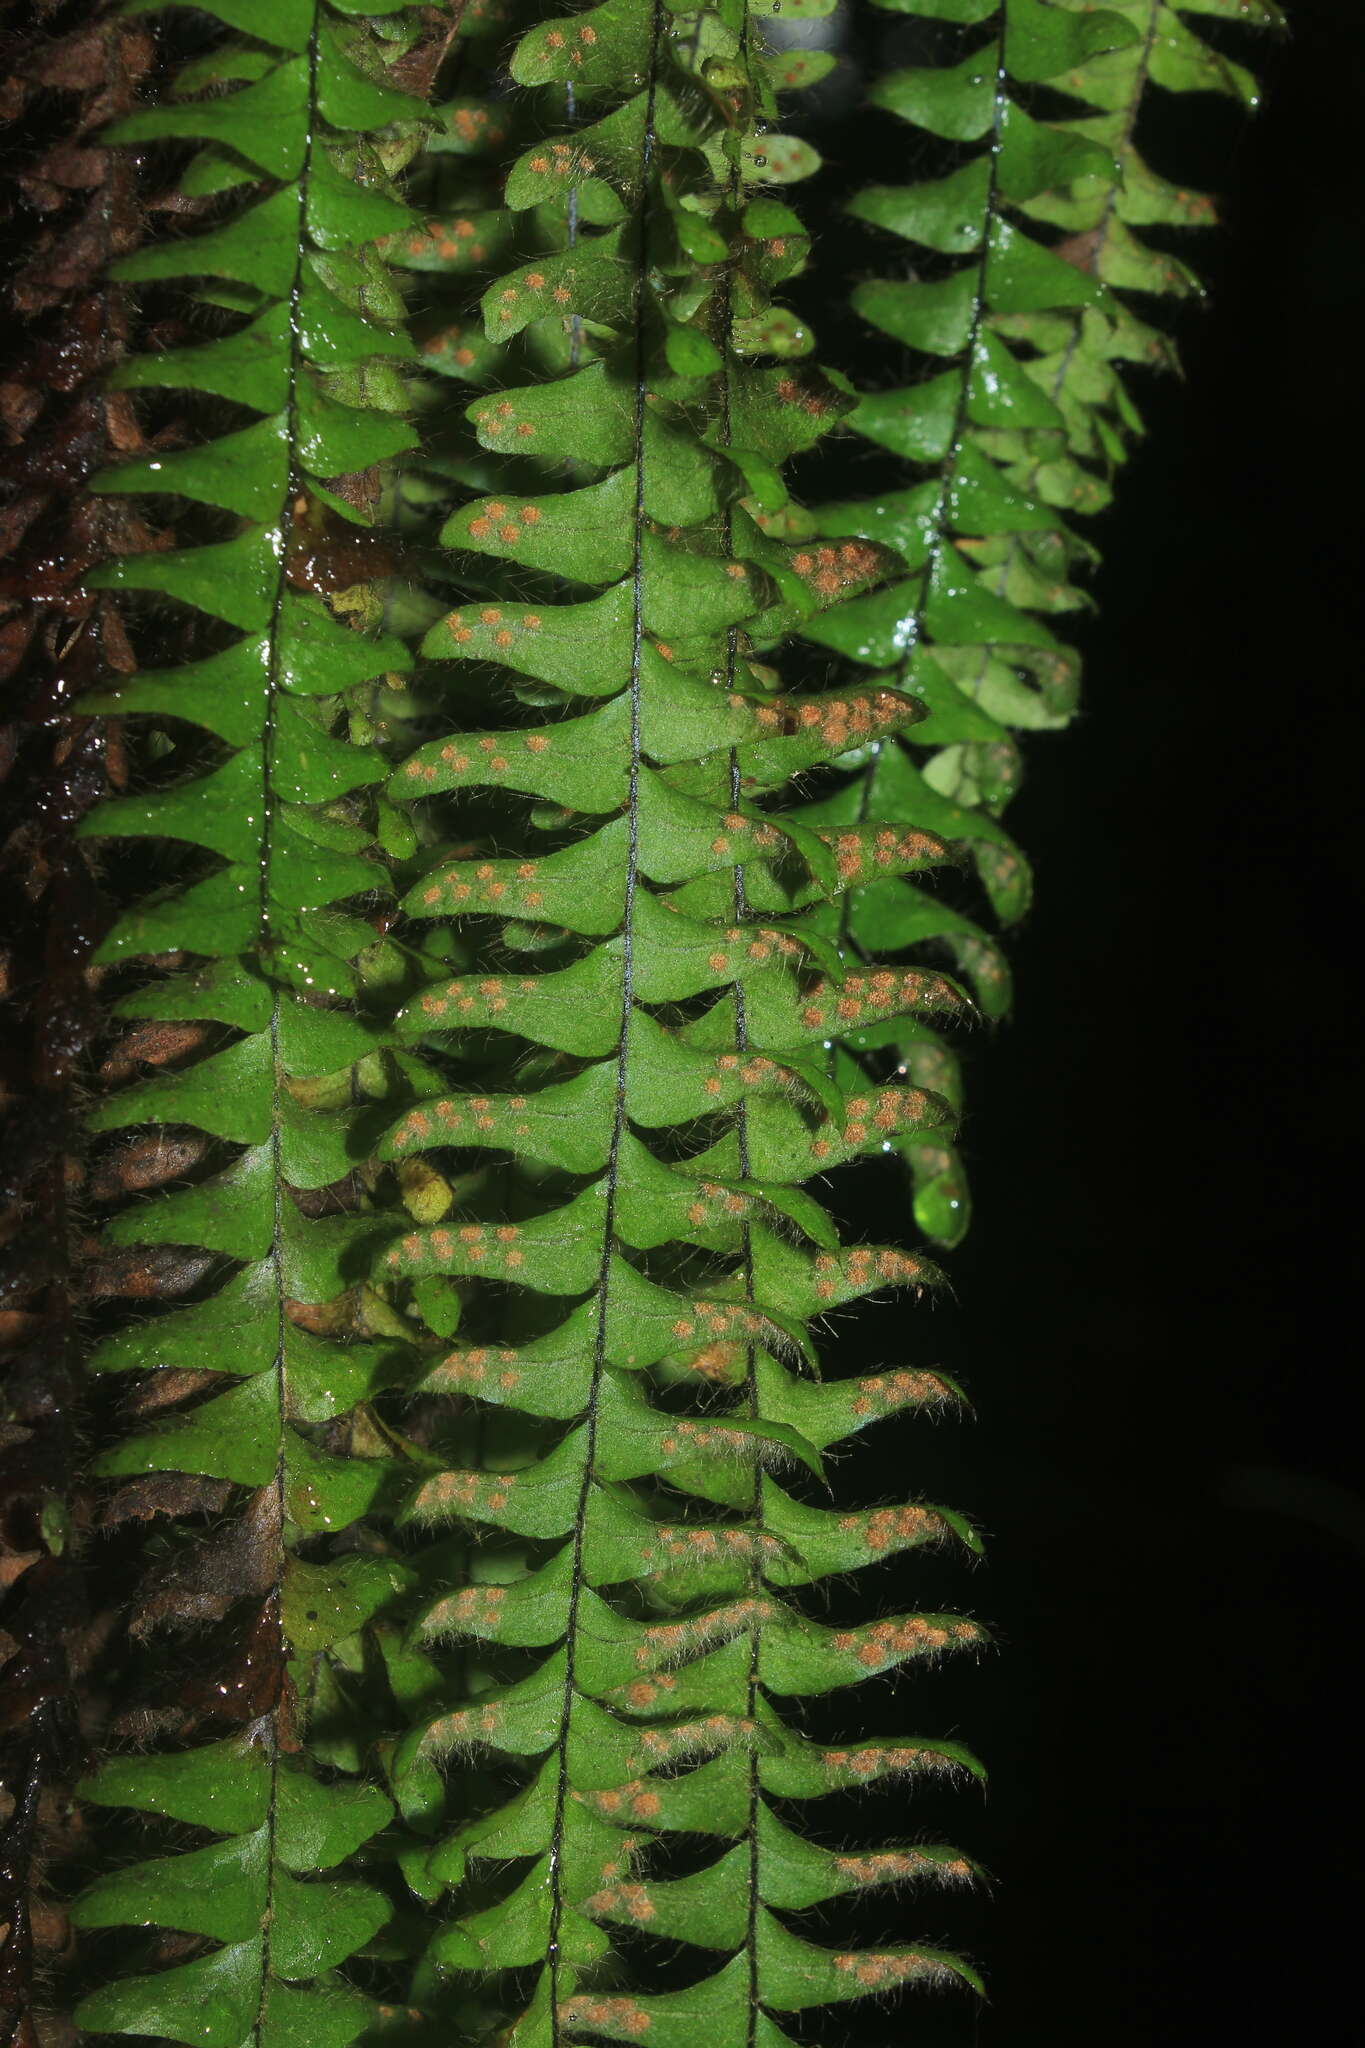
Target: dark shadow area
x,y
1154,1307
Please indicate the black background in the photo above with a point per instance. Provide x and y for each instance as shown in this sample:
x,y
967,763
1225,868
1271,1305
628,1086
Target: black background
x,y
1155,1310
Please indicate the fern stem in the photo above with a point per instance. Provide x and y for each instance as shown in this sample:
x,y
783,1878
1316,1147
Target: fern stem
x,y
279,1191
619,1114
740,912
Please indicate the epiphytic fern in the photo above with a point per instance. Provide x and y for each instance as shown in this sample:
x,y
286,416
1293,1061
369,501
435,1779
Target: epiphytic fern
x,y
1013,419
256,773
509,1025
643,1000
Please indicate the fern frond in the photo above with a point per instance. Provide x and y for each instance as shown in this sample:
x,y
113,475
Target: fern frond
x,y
1014,417
640,901
271,929
504,1015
